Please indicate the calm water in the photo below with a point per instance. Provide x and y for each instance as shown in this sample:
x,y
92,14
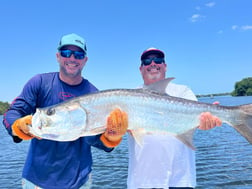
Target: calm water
x,y
223,158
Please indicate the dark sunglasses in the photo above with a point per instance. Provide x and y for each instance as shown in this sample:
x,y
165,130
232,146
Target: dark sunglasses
x,y
148,61
67,53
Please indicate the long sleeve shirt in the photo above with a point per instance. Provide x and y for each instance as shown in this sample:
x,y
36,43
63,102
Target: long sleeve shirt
x,y
52,164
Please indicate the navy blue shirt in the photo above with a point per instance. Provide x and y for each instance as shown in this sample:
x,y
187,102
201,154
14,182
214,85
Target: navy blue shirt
x,y
52,164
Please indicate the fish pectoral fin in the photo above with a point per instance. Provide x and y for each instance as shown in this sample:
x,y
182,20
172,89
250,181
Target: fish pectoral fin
x,y
138,135
187,138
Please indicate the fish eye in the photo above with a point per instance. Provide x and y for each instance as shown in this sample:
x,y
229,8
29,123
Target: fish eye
x,y
50,111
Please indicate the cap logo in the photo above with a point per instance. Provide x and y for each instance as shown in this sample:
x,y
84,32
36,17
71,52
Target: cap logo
x,y
78,41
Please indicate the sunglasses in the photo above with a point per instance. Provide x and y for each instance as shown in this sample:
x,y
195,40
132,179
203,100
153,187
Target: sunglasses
x,y
148,61
67,54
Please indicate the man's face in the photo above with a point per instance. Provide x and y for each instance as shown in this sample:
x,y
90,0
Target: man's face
x,y
153,72
71,66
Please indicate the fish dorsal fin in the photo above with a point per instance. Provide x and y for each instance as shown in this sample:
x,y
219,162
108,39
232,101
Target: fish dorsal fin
x,y
159,86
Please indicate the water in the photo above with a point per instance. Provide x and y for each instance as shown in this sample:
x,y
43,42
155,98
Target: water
x,y
223,158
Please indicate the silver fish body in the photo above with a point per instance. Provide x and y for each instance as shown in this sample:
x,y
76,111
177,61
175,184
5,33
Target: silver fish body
x,y
148,112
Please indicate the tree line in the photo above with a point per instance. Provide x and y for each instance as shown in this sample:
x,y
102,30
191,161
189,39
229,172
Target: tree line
x,y
241,88
3,107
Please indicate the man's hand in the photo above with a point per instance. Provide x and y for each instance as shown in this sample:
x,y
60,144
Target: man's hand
x,y
117,125
208,121
20,128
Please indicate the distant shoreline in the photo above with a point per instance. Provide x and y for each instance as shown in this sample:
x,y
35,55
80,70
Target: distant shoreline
x,y
213,95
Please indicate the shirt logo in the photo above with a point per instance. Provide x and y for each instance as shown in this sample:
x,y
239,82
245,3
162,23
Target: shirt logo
x,y
65,95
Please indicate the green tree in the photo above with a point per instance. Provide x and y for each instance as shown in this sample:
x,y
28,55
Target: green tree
x,y
3,107
249,92
243,87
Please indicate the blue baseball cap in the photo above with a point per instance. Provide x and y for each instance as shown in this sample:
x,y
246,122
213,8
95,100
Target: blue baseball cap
x,y
73,39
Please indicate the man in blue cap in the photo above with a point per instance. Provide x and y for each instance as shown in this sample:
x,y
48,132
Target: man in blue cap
x,y
52,164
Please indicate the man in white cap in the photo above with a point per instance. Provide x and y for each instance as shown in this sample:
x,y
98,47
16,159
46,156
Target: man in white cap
x,y
163,161
52,164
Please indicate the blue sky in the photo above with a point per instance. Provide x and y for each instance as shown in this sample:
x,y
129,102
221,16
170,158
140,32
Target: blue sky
x,y
208,44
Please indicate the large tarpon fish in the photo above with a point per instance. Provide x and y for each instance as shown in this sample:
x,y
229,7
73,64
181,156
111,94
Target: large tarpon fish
x,y
149,110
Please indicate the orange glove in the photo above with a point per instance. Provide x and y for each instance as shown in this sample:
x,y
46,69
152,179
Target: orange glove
x,y
20,128
117,125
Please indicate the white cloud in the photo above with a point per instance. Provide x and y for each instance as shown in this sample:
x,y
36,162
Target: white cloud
x,y
242,28
197,8
234,27
196,17
210,4
247,27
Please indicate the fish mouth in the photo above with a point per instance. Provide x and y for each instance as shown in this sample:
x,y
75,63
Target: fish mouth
x,y
36,120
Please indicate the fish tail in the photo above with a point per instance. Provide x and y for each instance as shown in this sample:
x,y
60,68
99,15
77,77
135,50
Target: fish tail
x,y
245,128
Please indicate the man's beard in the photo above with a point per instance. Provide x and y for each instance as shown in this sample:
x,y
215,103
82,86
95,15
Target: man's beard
x,y
65,72
157,75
